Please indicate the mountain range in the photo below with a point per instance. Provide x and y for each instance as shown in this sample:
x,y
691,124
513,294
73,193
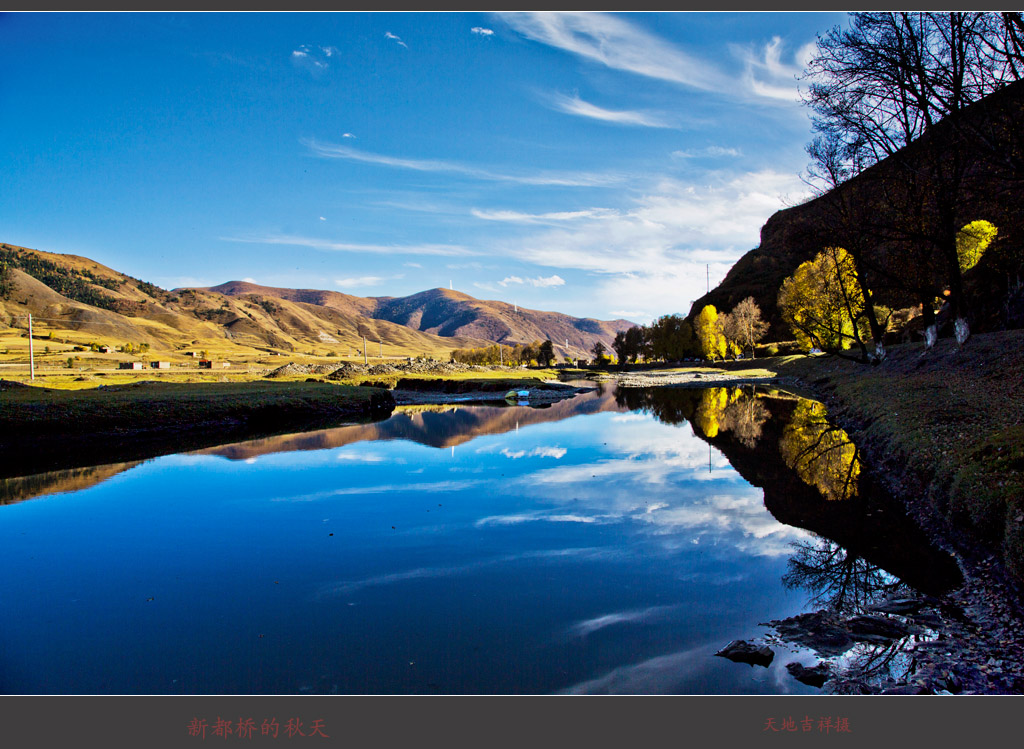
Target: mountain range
x,y
73,293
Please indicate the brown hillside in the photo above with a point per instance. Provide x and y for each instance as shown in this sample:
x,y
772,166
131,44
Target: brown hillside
x,y
91,302
447,314
240,319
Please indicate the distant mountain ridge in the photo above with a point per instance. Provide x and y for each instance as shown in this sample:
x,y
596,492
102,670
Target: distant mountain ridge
x,y
70,292
449,314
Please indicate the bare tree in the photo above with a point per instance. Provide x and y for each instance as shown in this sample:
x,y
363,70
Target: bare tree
x,y
884,83
744,324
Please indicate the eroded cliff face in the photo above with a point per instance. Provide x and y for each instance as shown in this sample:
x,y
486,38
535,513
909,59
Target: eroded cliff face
x,y
968,167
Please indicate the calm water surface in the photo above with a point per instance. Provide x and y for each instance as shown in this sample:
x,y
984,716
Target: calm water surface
x,y
602,545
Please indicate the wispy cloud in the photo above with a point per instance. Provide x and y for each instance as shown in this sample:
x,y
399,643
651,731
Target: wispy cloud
x,y
576,106
589,626
554,217
374,249
313,58
767,75
337,151
395,38
351,283
616,43
355,457
352,586
660,675
482,31
620,45
434,486
537,452
710,151
539,282
347,135
653,251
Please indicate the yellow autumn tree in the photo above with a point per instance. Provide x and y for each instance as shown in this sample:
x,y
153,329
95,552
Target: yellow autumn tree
x,y
822,302
972,241
709,334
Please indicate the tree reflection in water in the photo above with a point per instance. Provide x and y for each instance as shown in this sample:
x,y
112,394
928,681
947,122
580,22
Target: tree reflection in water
x,y
821,453
839,581
845,585
745,417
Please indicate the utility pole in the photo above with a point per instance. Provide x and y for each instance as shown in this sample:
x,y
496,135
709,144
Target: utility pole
x,y
364,349
31,351
380,353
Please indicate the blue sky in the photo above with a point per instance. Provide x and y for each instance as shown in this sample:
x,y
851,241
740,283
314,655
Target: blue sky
x,y
594,164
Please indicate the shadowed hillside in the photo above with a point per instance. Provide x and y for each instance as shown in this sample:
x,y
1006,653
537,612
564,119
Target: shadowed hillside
x,y
893,219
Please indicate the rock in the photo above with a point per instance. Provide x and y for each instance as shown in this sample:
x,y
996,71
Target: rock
x,y
908,689
741,651
814,676
816,630
898,606
875,629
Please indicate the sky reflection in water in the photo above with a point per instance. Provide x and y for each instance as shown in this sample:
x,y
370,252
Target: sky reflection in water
x,y
605,552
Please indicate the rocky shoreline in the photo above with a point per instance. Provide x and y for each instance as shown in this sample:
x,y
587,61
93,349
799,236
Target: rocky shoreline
x,y
969,641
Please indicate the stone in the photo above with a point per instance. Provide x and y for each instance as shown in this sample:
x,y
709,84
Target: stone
x,y
816,630
814,676
898,606
875,629
741,651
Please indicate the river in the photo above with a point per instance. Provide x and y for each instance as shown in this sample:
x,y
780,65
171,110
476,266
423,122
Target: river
x,y
611,543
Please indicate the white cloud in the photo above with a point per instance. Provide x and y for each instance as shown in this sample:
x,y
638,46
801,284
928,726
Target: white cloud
x,y
332,151
618,44
663,674
249,280
313,59
347,135
539,282
349,283
537,452
322,218
482,31
589,626
712,151
375,249
355,457
435,486
389,35
412,265
654,253
576,106
553,218
767,75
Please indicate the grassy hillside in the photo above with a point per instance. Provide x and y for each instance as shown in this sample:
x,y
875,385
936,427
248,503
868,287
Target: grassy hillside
x,y
79,305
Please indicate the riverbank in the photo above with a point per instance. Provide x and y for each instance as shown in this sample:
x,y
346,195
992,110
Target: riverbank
x,y
944,432
54,428
44,429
